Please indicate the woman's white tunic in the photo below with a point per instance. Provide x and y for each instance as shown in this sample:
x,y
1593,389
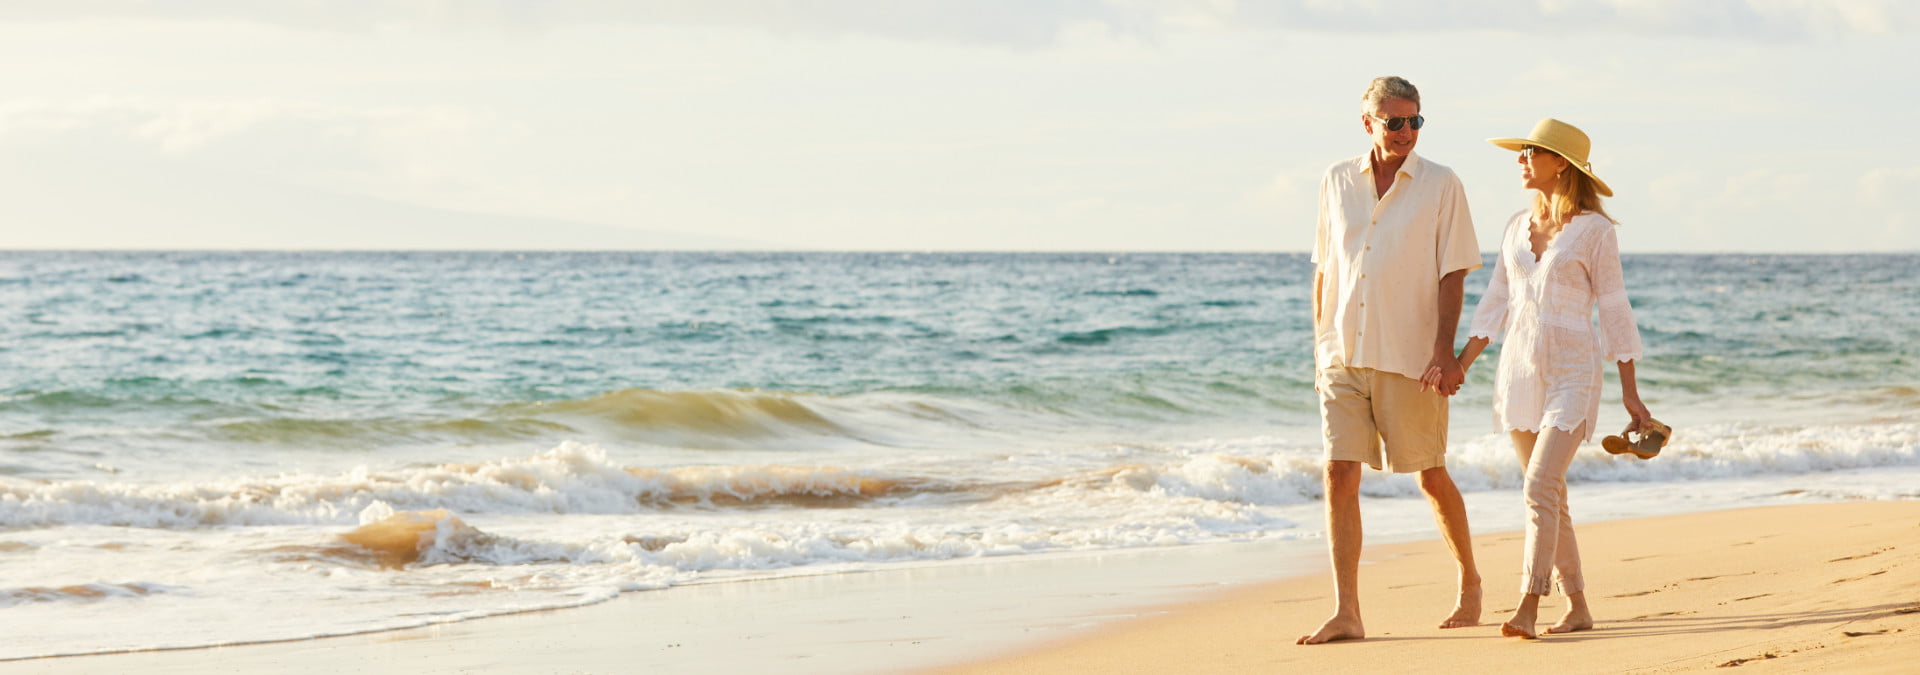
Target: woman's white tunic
x,y
1550,362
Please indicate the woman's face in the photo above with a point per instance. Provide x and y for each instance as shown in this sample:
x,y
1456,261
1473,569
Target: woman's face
x,y
1540,168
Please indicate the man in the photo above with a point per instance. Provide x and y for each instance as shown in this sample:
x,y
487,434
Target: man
x,y
1393,248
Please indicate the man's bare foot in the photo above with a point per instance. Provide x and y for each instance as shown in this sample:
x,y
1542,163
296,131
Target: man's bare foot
x,y
1339,627
1466,612
1577,619
1510,630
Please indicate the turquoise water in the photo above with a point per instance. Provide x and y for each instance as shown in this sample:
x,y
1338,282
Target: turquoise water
x,y
184,433
179,353
169,353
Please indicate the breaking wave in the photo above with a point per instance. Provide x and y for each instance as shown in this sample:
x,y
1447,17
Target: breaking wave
x,y
571,478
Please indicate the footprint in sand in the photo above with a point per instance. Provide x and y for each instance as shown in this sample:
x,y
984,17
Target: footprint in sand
x,y
1863,555
1750,597
1863,576
1634,595
1716,576
1762,657
1656,616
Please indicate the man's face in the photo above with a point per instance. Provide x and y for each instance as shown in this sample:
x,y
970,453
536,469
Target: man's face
x,y
1392,144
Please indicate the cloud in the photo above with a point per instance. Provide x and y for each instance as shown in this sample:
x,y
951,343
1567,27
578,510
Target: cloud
x,y
1020,23
67,200
1738,19
1775,210
1883,192
1038,23
391,152
188,126
1888,186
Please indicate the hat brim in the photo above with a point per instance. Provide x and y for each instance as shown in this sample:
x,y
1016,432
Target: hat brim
x,y
1518,144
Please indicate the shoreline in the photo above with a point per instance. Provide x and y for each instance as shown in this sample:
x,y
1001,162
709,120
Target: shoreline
x,y
878,621
1797,588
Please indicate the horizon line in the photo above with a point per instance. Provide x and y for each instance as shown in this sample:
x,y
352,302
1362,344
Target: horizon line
x,y
1090,251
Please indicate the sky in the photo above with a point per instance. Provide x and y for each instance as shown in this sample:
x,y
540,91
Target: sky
x,y
921,125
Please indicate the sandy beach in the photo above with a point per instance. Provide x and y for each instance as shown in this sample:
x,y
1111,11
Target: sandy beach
x,y
1795,588
1826,587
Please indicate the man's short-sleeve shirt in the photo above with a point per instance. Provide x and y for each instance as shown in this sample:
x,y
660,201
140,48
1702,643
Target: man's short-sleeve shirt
x,y
1381,260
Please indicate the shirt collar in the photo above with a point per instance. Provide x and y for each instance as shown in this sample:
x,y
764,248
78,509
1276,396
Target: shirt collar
x,y
1411,167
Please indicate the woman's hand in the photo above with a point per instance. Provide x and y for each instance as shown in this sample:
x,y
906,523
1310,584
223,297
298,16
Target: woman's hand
x,y
1642,420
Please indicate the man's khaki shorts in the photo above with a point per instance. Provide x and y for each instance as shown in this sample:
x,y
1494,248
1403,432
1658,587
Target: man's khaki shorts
x,y
1361,407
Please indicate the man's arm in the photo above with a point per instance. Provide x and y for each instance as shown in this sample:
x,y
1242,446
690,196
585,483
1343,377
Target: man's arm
x,y
1318,279
1443,373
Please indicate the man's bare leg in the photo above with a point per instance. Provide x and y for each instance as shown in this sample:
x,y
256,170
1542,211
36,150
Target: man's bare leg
x,y
1343,541
1450,512
1578,616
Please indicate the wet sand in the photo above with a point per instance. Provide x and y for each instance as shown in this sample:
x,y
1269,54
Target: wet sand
x,y
882,621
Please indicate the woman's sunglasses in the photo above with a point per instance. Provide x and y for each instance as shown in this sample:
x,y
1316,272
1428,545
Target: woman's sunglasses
x,y
1395,123
1528,152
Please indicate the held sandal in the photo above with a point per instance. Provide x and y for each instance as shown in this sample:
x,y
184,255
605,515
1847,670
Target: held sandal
x,y
1646,446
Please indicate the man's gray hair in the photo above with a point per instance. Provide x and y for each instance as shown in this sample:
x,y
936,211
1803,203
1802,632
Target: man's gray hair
x,y
1383,88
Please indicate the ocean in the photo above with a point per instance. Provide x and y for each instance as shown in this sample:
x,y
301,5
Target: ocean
x,y
204,449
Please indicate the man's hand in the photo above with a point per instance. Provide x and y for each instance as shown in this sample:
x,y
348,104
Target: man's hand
x,y
1443,375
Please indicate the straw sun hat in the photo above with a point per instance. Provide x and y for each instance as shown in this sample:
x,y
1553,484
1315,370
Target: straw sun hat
x,y
1564,140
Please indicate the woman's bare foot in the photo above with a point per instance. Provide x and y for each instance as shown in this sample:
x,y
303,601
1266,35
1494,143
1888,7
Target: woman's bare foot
x,y
1521,625
1466,612
1577,619
1340,627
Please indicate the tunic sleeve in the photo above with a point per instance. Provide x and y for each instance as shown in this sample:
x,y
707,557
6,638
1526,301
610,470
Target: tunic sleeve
x,y
1490,317
1620,337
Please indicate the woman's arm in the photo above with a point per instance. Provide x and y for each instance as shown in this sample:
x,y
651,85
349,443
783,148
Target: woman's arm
x,y
1472,351
1490,318
1630,397
1617,328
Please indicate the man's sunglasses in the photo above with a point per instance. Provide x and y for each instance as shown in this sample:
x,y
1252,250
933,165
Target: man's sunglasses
x,y
1395,123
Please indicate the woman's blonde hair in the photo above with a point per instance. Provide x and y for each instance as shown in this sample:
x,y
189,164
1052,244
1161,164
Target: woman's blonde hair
x,y
1573,194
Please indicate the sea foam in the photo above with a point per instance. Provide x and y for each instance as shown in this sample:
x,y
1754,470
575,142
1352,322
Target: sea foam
x,y
571,478
577,478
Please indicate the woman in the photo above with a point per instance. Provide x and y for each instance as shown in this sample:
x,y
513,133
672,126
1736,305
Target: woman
x,y
1557,261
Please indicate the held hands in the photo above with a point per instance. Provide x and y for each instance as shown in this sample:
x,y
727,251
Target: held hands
x,y
1444,375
